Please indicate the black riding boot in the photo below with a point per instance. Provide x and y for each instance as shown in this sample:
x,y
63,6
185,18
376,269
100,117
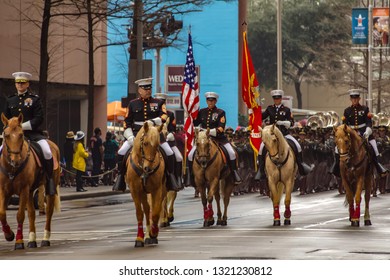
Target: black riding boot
x,y
172,184
335,169
189,176
50,186
233,168
260,175
303,168
380,169
179,174
120,184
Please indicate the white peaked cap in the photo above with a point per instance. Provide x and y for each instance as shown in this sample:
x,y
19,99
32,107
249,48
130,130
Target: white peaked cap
x,y
277,92
22,76
161,95
144,82
211,94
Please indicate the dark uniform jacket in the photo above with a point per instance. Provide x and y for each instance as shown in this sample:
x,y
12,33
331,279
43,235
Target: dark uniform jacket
x,y
283,114
358,117
30,106
213,118
141,110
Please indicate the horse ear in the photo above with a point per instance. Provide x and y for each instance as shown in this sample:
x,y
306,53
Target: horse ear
x,y
208,131
146,126
260,130
4,119
345,127
160,128
334,129
196,132
20,118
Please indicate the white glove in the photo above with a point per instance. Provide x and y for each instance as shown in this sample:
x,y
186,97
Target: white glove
x,y
26,125
368,132
170,137
213,132
131,141
250,111
128,133
286,124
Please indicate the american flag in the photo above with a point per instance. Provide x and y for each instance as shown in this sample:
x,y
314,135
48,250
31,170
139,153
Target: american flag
x,y
190,95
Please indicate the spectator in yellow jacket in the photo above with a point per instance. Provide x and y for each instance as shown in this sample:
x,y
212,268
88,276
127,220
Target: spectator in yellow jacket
x,y
79,160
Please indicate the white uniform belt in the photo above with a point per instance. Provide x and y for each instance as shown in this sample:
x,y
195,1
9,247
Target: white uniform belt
x,y
358,126
139,123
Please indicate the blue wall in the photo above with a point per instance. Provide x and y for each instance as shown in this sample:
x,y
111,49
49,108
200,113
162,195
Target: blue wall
x,y
215,42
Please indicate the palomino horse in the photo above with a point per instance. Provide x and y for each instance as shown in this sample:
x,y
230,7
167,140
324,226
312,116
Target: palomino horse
x,y
212,174
280,168
146,178
356,172
20,174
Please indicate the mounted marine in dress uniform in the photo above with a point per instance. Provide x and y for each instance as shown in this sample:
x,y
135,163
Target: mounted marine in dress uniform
x,y
214,118
282,117
29,104
145,108
358,117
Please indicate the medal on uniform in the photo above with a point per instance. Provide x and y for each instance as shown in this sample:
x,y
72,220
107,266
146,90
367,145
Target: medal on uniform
x,y
28,102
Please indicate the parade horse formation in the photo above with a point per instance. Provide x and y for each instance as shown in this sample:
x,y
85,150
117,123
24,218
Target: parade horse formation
x,y
21,173
212,177
356,171
281,168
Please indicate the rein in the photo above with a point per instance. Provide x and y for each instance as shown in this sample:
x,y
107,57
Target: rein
x,y
210,161
15,172
277,163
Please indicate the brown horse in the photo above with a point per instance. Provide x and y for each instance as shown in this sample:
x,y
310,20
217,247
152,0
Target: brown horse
x,y
213,175
356,172
21,174
281,170
146,178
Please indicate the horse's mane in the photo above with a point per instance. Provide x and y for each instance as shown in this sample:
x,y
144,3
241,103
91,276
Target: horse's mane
x,y
202,135
14,123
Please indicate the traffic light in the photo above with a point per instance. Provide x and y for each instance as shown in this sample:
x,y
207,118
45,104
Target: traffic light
x,y
169,26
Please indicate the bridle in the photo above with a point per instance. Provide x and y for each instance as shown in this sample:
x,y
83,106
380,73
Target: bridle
x,y
348,155
279,164
208,159
15,170
139,167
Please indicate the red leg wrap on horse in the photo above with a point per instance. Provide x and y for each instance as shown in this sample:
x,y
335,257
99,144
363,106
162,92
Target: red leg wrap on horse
x,y
19,233
356,214
140,232
287,213
154,230
6,228
351,211
211,212
276,212
205,213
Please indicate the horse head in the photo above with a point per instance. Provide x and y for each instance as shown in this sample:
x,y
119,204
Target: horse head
x,y
203,147
343,139
272,138
146,145
13,139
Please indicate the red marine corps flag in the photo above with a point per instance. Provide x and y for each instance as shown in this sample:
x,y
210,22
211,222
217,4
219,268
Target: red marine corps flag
x,y
190,96
250,95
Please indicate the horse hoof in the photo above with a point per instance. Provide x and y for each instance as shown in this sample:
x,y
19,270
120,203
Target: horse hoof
x,y
170,219
367,223
10,237
165,224
45,243
287,222
355,223
151,241
19,246
210,223
276,222
139,244
219,222
223,223
32,244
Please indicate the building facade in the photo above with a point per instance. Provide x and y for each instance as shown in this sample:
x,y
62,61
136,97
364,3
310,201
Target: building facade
x,y
67,98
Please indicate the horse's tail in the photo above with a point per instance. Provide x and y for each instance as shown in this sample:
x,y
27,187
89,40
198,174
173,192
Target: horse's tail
x,y
57,200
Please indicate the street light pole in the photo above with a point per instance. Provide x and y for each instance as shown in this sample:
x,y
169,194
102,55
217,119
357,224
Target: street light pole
x,y
140,35
279,44
369,67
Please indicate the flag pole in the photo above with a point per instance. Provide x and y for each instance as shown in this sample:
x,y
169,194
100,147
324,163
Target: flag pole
x,y
184,167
